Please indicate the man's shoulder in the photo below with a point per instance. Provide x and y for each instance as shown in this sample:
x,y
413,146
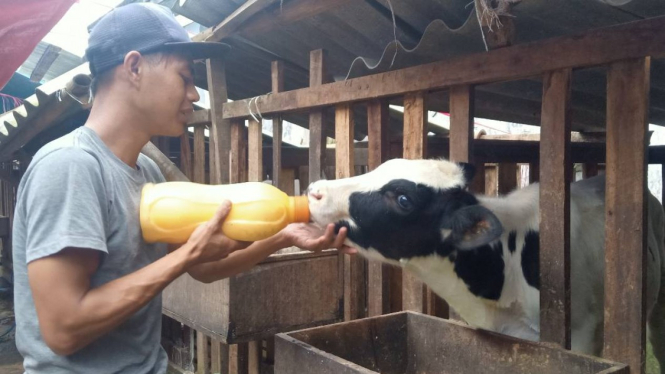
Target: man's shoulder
x,y
65,149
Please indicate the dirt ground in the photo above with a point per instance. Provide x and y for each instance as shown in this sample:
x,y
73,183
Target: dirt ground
x,y
11,361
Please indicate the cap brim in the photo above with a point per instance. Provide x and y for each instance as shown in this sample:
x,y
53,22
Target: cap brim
x,y
199,50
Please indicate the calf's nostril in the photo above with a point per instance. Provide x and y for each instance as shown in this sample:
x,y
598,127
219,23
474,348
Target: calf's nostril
x,y
316,195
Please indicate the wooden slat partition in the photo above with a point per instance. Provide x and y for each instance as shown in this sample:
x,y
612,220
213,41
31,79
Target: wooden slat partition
x,y
277,86
507,177
317,138
415,133
378,282
255,151
589,170
220,129
354,267
219,357
199,155
591,48
534,172
555,168
625,230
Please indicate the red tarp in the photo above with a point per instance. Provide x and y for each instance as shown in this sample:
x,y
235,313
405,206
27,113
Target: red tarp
x,y
23,23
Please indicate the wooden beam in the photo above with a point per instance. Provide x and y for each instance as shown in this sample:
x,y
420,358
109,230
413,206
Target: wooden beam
x,y
232,22
534,172
47,58
317,138
290,12
415,147
626,213
595,47
461,124
220,129
378,274
277,86
555,167
575,137
255,151
219,357
507,177
200,117
254,357
199,155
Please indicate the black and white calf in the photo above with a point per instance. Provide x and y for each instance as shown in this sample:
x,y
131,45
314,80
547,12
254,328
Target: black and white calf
x,y
481,253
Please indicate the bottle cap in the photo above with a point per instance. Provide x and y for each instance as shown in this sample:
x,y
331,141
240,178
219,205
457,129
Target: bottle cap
x,y
300,209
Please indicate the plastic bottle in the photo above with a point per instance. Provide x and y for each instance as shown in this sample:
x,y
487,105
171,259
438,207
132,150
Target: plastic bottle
x,y
171,211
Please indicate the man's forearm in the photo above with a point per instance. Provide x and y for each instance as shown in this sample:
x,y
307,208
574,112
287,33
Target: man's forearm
x,y
238,261
102,309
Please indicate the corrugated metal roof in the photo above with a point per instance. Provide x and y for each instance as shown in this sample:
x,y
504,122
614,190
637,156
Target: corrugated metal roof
x,y
359,38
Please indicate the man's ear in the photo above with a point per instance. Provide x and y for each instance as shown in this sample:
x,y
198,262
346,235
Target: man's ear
x,y
473,226
469,171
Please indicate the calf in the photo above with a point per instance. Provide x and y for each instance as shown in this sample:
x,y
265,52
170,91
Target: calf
x,y
481,254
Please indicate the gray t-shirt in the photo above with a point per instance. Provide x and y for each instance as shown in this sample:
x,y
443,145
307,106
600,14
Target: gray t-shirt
x,y
77,193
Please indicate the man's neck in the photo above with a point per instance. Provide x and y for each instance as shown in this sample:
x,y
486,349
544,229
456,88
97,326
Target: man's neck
x,y
119,129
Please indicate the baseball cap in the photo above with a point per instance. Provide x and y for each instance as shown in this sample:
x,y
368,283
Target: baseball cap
x,y
146,28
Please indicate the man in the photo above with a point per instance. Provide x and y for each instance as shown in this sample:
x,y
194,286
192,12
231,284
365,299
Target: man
x,y
87,286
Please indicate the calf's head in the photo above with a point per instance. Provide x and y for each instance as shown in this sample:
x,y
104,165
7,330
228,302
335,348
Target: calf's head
x,y
405,209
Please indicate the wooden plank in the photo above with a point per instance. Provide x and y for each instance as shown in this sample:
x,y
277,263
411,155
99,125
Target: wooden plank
x,y
219,357
277,86
378,281
595,47
199,155
232,22
534,172
507,178
354,274
625,228
555,209
47,58
185,155
255,151
415,147
200,117
237,146
317,138
220,129
461,124
202,354
303,177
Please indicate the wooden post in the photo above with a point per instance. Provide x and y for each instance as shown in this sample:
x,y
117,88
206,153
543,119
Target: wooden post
x,y
378,282
238,141
415,147
277,86
199,155
555,167
254,357
202,354
288,181
186,155
625,229
220,129
255,153
354,268
317,139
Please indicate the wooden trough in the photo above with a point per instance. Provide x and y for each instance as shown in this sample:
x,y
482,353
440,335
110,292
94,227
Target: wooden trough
x,y
410,343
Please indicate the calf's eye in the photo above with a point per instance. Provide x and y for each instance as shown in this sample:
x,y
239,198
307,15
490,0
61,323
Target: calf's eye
x,y
404,202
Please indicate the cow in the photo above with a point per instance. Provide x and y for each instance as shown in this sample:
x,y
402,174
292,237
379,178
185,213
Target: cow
x,y
481,253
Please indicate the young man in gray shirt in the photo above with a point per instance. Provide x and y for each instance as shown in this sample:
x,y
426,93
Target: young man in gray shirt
x,y
87,287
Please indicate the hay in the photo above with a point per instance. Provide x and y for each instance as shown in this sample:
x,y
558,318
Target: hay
x,y
489,11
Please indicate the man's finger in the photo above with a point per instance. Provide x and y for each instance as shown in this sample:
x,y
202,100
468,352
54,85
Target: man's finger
x,y
222,212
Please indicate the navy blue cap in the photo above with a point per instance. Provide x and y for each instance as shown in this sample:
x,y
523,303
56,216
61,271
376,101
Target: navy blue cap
x,y
146,28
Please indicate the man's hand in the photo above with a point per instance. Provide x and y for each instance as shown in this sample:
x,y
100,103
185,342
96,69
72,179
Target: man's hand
x,y
312,238
208,243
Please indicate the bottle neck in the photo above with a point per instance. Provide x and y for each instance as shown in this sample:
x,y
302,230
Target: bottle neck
x,y
298,209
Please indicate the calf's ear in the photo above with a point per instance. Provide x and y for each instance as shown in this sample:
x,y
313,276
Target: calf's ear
x,y
473,226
